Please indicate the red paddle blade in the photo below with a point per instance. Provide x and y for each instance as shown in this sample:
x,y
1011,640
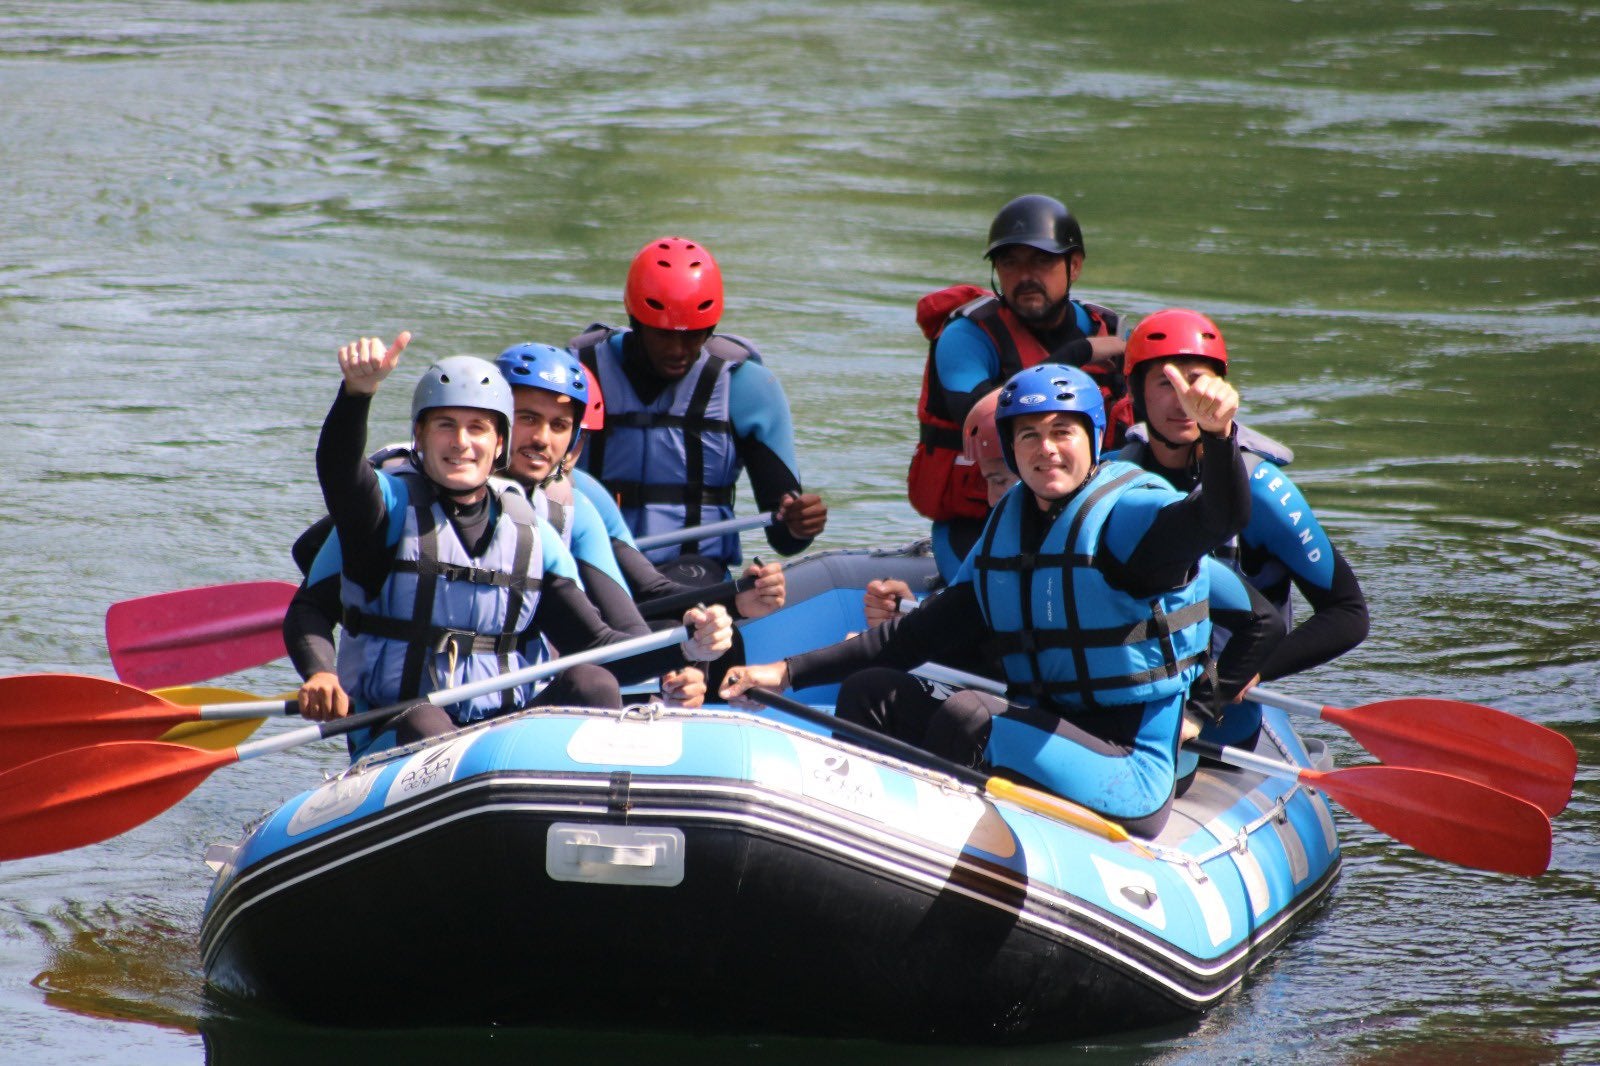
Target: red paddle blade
x,y
41,714
1468,740
87,795
173,638
1447,817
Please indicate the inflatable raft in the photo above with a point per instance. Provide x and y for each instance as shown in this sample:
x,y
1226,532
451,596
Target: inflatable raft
x,y
718,870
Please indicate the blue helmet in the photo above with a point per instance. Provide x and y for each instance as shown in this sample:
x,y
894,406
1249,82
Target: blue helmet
x,y
544,366
466,381
1044,388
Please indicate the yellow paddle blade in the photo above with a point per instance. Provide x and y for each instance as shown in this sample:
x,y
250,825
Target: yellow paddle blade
x,y
211,736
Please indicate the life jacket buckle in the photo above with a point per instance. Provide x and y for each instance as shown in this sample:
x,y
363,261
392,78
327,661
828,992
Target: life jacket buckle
x,y
456,643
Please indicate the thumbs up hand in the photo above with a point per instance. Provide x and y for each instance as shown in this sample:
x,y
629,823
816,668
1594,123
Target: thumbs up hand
x,y
366,362
1210,400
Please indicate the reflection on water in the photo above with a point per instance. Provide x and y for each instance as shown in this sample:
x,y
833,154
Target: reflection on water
x,y
1388,207
123,961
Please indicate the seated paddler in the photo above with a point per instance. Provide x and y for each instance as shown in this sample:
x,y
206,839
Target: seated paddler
x,y
1085,588
447,574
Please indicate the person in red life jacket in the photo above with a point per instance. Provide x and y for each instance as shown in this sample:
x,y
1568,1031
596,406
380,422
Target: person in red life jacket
x,y
688,409
1282,546
981,338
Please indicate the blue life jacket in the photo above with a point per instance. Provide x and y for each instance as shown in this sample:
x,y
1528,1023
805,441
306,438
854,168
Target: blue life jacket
x,y
443,617
1067,635
671,463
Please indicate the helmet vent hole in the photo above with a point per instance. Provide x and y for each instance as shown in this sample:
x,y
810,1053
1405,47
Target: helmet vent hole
x,y
655,304
1158,336
704,305
663,263
445,378
695,264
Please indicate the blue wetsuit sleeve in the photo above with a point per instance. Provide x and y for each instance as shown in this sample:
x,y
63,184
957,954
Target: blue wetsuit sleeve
x,y
763,432
593,491
965,365
329,562
558,561
944,553
603,581
591,541
1254,630
1283,525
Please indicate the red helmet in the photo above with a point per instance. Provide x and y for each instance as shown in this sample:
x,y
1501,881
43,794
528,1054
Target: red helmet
x,y
594,412
1173,333
674,284
980,438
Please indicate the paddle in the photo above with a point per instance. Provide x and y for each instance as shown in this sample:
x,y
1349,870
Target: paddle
x,y
173,638
1465,739
1448,817
705,531
90,794
42,714
1032,799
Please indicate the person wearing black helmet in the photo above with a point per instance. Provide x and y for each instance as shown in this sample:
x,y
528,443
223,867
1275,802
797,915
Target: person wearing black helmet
x,y
981,338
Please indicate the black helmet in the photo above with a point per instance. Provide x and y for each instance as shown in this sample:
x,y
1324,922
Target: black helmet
x,y
1038,221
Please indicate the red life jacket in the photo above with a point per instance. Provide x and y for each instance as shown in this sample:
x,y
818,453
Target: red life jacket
x,y
941,484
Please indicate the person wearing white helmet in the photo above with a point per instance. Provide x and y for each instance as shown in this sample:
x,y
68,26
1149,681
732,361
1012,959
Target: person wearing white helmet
x,y
445,576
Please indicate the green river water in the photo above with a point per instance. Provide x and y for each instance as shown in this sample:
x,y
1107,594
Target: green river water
x,y
1390,208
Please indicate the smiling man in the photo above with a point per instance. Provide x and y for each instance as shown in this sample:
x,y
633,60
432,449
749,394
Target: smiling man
x,y
688,409
445,576
1086,585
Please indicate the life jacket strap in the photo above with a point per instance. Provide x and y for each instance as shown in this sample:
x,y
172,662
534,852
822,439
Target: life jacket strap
x,y
438,639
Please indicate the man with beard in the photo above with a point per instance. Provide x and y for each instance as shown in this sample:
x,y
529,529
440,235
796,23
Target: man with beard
x,y
981,338
688,409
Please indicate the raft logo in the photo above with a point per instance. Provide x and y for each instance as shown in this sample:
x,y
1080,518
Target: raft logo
x,y
1030,400
838,779
554,375
428,769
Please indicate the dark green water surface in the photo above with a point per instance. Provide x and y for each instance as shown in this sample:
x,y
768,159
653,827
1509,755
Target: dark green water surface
x,y
1390,208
